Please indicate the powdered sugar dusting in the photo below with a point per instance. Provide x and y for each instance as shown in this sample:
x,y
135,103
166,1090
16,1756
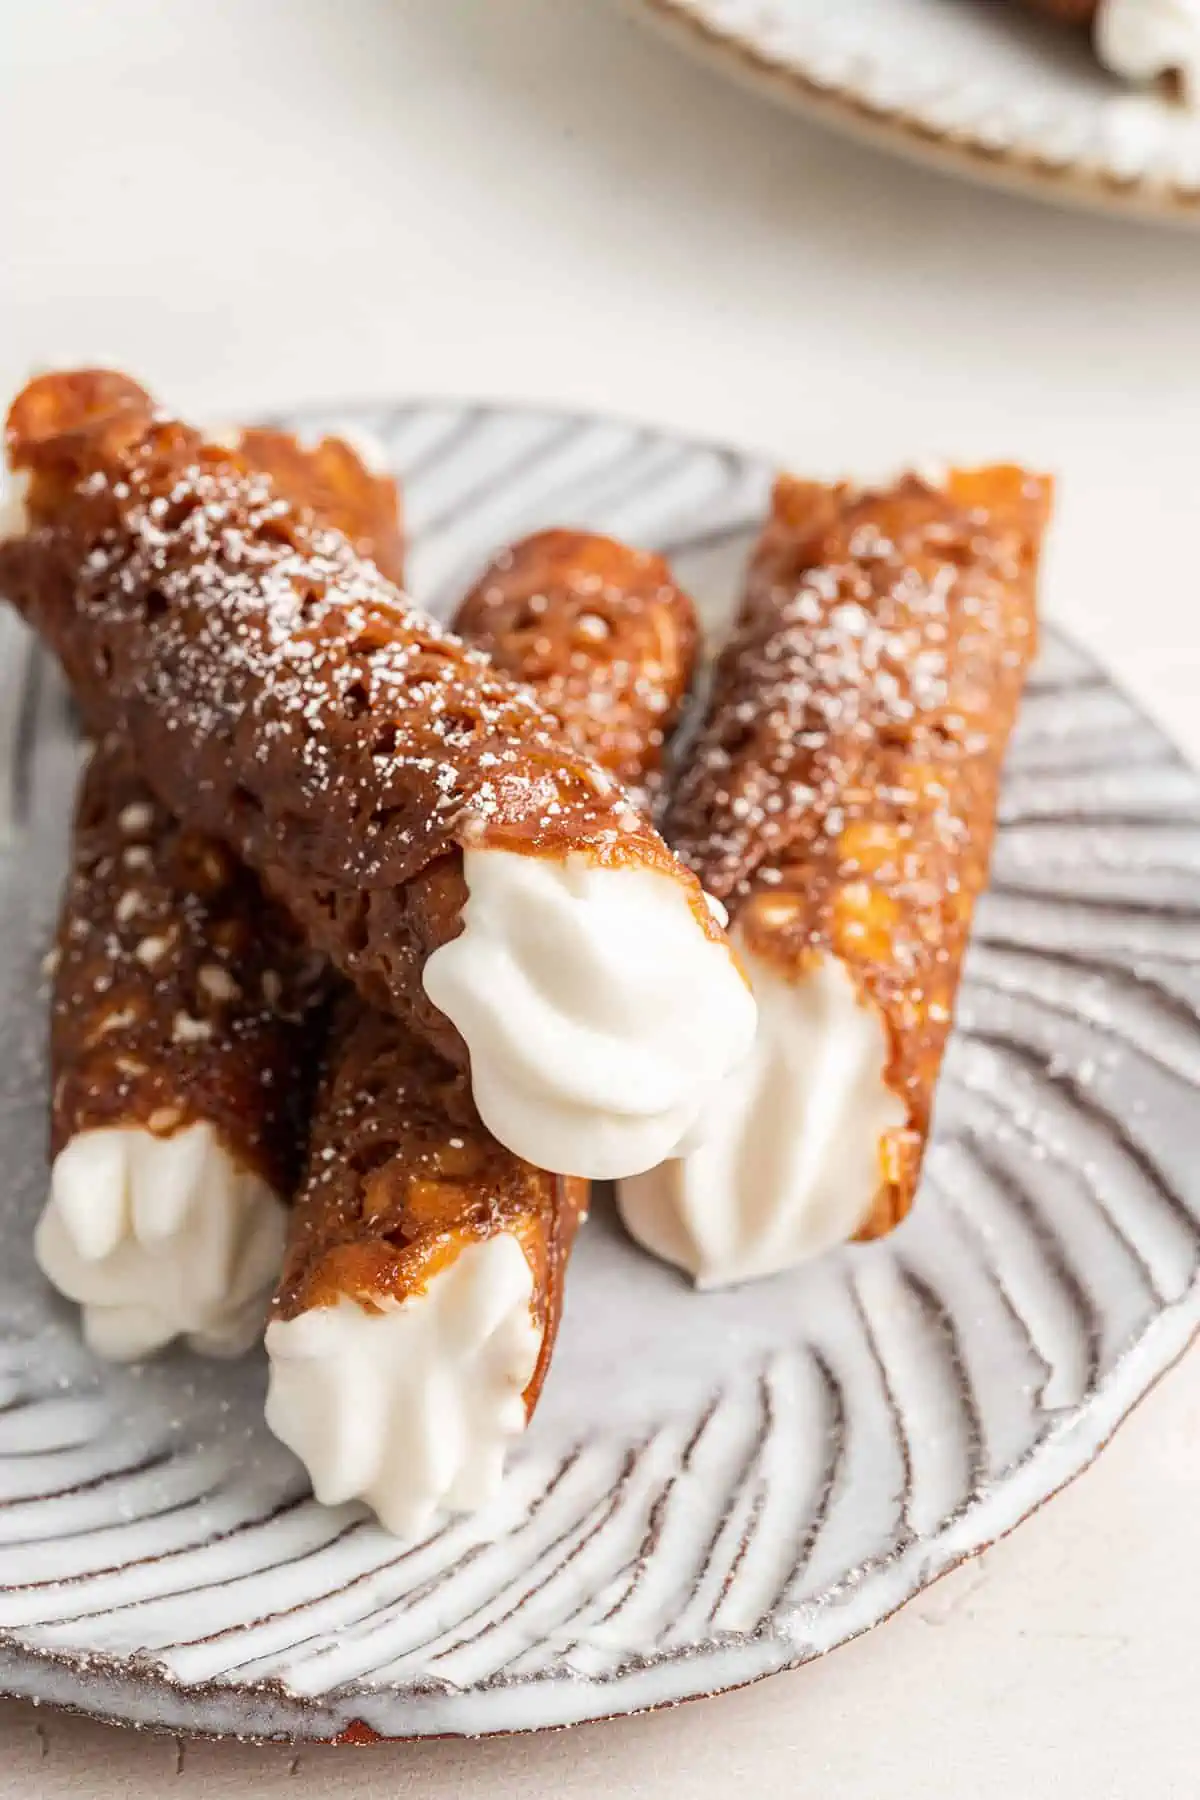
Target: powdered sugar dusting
x,y
882,640
842,797
249,603
160,1016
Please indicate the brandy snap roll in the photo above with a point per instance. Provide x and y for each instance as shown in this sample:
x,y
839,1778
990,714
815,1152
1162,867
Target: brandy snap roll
x,y
840,800
602,633
423,819
344,481
424,1280
185,1024
184,1018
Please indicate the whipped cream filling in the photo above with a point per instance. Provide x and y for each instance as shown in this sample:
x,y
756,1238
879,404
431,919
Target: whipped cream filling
x,y
597,1013
161,1237
1143,40
788,1163
410,1405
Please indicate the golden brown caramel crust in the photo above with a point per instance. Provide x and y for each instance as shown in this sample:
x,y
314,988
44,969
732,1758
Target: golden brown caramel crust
x,y
841,796
601,631
402,1174
330,478
178,996
181,995
281,694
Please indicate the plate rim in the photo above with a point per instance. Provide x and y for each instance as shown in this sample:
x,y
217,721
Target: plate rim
x,y
141,1681
737,55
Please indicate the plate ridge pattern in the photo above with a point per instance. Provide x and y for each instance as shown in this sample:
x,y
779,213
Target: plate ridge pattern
x,y
793,1460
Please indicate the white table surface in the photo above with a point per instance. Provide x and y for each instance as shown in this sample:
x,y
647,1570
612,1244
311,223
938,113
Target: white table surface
x,y
257,201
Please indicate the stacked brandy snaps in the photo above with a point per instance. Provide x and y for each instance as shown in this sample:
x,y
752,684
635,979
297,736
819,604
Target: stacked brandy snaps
x,y
371,959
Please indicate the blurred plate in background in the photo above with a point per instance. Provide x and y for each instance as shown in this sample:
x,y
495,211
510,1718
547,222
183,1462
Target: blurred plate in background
x,y
974,87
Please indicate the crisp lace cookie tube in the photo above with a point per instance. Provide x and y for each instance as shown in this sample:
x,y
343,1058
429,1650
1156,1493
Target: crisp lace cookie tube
x,y
185,1026
602,632
184,1019
422,818
840,799
423,1284
415,1321
343,481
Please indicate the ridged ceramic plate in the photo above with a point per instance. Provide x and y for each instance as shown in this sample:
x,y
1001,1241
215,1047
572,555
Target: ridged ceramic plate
x,y
716,1486
976,87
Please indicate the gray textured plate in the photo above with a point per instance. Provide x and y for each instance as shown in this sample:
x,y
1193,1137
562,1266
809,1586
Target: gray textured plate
x,y
716,1486
974,87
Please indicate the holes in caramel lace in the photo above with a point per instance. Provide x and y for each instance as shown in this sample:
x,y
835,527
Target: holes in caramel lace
x,y
325,902
243,801
434,665
738,738
527,618
960,553
380,818
310,595
367,1159
355,701
374,1089
932,734
355,929
199,865
155,606
179,511
277,528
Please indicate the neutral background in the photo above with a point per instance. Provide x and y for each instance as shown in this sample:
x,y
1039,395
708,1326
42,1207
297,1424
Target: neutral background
x,y
255,202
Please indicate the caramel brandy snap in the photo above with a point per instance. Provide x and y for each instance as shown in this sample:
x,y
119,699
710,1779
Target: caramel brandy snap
x,y
840,800
343,481
420,815
185,1023
184,1014
604,635
416,1318
423,1284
